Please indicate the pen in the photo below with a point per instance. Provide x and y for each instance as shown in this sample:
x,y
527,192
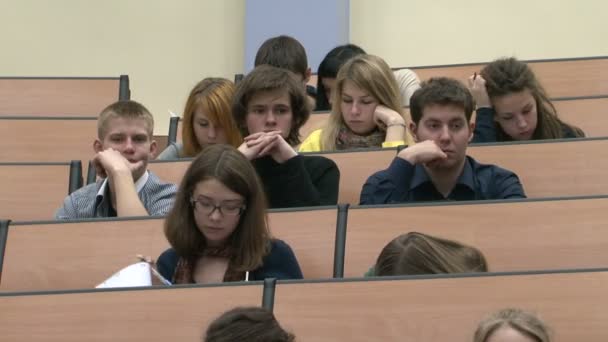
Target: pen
x,y
153,270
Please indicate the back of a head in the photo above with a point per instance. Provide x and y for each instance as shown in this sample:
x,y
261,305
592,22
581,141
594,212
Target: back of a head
x,y
416,253
441,91
283,52
523,322
126,110
329,67
252,324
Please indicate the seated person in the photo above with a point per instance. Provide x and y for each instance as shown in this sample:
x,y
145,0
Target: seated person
x,y
287,53
218,227
207,120
126,188
251,324
512,105
367,109
512,325
407,80
437,167
270,107
416,253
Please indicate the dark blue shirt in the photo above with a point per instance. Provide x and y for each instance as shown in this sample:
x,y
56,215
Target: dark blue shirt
x,y
404,182
279,263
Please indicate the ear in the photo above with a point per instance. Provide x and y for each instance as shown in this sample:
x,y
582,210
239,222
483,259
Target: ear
x,y
413,129
471,130
307,75
97,146
153,149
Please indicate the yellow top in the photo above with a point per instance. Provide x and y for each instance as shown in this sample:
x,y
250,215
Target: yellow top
x,y
312,143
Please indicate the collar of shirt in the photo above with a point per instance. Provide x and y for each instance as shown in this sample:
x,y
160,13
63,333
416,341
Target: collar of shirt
x,y
466,178
139,184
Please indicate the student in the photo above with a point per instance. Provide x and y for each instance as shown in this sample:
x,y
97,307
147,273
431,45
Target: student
x,y
367,109
270,107
218,228
512,325
407,80
252,324
126,188
512,105
437,167
416,253
207,119
286,52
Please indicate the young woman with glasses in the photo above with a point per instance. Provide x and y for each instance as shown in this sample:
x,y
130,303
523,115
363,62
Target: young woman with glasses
x,y
218,227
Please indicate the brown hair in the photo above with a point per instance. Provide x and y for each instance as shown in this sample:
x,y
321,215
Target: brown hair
x,y
247,324
372,74
251,238
524,322
268,78
441,91
126,110
417,253
283,52
508,75
213,96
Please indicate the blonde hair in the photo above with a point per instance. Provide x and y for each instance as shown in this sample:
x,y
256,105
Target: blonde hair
x,y
371,74
125,110
213,96
524,322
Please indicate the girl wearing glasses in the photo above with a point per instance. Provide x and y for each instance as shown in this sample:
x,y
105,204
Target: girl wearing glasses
x,y
218,228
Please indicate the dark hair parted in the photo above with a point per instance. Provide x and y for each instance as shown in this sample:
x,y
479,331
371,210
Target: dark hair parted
x,y
524,322
251,238
509,75
416,253
268,78
247,324
329,67
442,91
283,52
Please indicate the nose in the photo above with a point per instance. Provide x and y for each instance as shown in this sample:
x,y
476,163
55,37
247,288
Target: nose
x,y
129,148
271,118
354,108
444,135
215,214
211,133
521,122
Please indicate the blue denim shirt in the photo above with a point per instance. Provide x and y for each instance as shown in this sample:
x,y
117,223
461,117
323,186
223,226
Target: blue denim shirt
x,y
404,182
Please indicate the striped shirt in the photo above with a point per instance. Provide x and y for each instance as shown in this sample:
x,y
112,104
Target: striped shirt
x,y
88,202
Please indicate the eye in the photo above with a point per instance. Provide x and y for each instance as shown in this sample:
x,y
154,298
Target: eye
x,y
507,118
456,126
231,208
345,100
203,123
116,138
140,139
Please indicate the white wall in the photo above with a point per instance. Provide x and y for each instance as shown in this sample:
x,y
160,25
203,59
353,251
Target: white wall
x,y
410,33
164,46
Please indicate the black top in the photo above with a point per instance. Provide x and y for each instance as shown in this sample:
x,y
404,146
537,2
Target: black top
x,y
301,181
279,263
404,182
486,130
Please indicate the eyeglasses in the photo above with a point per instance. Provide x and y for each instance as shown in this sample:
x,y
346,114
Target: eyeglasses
x,y
205,207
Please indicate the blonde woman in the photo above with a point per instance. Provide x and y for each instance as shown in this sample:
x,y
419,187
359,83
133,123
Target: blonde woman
x,y
366,110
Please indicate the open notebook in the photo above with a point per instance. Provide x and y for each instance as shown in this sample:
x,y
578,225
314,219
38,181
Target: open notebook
x,y
138,274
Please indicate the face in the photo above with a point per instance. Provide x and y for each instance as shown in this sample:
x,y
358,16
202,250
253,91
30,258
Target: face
x,y
205,131
328,84
269,111
129,137
447,126
508,334
516,114
217,210
357,107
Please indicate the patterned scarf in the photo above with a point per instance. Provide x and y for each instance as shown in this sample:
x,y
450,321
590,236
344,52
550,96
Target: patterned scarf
x,y
348,139
184,271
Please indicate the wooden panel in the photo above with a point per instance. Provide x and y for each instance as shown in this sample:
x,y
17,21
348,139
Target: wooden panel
x,y
573,168
47,140
32,192
591,115
135,316
355,168
170,171
311,235
56,97
441,309
512,236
